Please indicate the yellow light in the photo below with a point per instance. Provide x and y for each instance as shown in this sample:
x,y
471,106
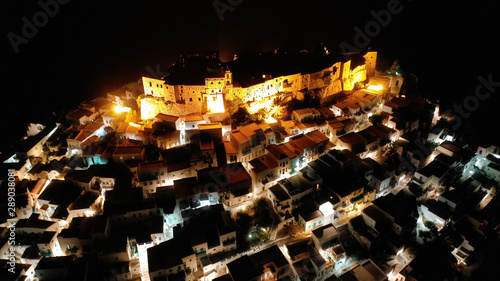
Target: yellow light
x,y
215,106
120,109
255,106
375,87
270,120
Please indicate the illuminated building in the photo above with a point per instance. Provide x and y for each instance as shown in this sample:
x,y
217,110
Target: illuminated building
x,y
200,83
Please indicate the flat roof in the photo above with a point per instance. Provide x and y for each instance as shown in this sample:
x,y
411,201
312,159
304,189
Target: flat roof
x,y
307,216
326,231
193,118
279,193
85,200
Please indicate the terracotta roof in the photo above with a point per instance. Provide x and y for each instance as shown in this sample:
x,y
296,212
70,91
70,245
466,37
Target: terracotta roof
x,y
90,140
207,126
230,149
352,138
302,111
250,129
326,111
336,125
121,150
317,136
166,117
346,103
348,122
239,137
186,187
236,172
151,165
193,118
290,150
94,126
302,141
262,164
83,135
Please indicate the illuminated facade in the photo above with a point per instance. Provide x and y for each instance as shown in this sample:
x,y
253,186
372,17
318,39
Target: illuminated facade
x,y
211,96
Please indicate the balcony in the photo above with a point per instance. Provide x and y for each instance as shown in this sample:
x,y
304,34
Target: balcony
x,y
246,151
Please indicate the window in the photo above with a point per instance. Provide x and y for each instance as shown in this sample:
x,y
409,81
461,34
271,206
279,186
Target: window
x,y
150,84
199,99
190,99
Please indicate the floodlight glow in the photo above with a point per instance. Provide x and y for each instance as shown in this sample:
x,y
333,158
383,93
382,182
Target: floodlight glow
x,y
326,209
270,120
121,109
375,87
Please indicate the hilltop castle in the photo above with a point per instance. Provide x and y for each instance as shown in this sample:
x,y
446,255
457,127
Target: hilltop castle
x,y
200,83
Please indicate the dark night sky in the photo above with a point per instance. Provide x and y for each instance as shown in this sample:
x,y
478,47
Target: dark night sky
x,y
92,47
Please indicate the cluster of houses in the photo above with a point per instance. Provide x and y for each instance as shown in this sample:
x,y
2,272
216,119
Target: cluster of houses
x,y
105,194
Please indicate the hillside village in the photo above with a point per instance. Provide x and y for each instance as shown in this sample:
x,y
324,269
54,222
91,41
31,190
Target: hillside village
x,y
273,166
